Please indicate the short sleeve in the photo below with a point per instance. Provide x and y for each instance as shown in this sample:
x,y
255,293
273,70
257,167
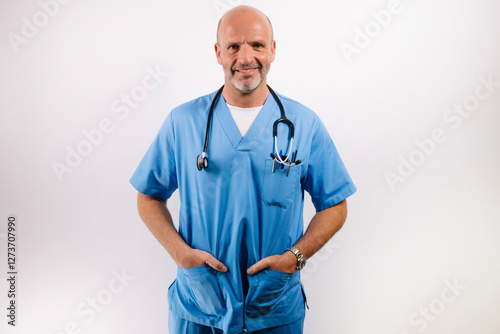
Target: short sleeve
x,y
156,174
327,179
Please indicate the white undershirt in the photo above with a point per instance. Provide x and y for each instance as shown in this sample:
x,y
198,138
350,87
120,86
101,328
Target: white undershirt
x,y
244,117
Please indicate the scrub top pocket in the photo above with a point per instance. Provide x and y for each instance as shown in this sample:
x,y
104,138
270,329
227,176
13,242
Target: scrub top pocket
x,y
266,288
204,289
278,189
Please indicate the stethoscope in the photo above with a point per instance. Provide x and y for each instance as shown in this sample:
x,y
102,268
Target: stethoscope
x,y
285,160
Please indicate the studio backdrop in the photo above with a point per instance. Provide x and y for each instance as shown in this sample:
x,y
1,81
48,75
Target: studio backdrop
x,y
408,90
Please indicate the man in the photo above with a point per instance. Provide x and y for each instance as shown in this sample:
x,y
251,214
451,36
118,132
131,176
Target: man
x,y
240,243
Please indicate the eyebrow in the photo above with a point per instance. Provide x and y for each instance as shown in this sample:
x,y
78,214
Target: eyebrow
x,y
258,41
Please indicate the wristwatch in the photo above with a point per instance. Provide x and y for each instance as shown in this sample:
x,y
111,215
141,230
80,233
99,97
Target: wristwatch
x,y
301,260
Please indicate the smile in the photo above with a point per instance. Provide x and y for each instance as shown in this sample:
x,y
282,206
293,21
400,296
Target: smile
x,y
246,71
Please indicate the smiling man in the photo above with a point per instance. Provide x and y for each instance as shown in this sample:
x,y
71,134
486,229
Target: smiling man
x,y
240,244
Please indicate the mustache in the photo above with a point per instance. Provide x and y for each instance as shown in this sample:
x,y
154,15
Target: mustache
x,y
246,67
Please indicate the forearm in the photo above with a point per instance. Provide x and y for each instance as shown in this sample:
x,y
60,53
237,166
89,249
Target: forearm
x,y
322,228
155,214
157,218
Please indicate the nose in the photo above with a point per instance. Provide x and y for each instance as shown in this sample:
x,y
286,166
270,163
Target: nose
x,y
245,55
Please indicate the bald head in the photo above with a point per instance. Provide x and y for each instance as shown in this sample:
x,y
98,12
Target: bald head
x,y
246,14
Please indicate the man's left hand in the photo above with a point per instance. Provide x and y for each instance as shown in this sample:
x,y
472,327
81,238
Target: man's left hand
x,y
286,262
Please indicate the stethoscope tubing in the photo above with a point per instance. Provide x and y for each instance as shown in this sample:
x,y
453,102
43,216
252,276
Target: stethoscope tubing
x,y
209,121
283,119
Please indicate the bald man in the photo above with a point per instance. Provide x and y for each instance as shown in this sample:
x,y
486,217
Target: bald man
x,y
240,244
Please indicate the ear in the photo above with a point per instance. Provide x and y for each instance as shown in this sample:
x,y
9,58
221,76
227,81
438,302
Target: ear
x,y
273,50
217,53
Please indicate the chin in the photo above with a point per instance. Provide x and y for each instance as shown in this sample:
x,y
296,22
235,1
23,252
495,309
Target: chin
x,y
247,88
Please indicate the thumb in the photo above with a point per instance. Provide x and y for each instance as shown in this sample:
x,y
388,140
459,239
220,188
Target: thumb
x,y
257,267
214,263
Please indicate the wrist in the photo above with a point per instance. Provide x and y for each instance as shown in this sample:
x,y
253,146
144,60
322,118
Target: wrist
x,y
290,258
300,259
288,263
183,256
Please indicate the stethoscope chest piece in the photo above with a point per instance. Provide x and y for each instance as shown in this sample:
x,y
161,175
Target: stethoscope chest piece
x,y
202,162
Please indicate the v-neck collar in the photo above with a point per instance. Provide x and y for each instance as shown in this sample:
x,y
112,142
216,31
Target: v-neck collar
x,y
226,120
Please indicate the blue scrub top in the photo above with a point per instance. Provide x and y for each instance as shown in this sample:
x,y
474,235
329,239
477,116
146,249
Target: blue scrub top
x,y
238,209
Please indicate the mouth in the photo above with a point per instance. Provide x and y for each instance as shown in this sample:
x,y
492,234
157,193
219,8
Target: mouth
x,y
246,71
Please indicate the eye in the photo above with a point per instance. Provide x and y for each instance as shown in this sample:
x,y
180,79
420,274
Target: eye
x,y
258,45
233,47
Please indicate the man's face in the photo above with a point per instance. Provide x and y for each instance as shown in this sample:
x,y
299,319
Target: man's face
x,y
245,50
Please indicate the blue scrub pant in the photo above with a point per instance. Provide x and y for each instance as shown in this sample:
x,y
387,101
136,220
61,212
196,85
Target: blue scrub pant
x,y
178,325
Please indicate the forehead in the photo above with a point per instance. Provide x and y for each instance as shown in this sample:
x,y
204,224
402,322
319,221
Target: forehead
x,y
240,27
249,32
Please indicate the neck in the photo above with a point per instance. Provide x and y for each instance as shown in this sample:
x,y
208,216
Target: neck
x,y
256,98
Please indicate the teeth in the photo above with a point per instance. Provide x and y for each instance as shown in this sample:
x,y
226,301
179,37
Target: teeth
x,y
245,71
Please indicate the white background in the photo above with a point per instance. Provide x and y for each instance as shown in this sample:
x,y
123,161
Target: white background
x,y
385,272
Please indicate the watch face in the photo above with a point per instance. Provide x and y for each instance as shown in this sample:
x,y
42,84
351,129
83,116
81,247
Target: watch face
x,y
301,264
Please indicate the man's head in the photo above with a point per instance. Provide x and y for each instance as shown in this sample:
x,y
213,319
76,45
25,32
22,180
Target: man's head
x,y
245,48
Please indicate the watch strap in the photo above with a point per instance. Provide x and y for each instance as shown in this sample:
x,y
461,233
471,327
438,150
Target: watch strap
x,y
301,260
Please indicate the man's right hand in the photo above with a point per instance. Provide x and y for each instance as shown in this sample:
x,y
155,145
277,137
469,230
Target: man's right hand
x,y
197,257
